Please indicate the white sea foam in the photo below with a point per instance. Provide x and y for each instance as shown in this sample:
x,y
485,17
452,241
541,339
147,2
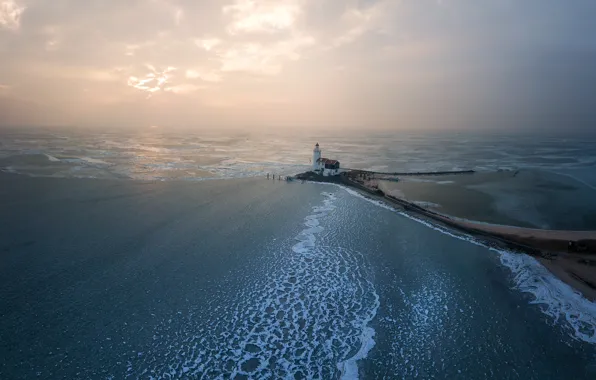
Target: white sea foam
x,y
581,179
52,158
556,299
373,201
94,161
307,316
426,204
416,179
86,161
349,368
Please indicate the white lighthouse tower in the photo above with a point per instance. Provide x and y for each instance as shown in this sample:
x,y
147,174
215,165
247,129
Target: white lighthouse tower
x,y
316,155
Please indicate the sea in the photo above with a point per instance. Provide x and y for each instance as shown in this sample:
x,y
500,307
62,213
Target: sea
x,y
155,154
170,255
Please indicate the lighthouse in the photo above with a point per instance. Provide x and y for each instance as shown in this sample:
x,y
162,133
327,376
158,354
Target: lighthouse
x,y
316,156
323,166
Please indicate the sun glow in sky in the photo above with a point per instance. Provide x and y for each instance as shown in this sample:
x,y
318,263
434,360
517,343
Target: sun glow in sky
x,y
298,63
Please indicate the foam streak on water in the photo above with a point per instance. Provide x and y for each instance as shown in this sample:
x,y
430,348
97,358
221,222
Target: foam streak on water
x,y
555,298
307,317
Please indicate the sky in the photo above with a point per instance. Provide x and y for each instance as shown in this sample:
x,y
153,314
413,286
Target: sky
x,y
387,64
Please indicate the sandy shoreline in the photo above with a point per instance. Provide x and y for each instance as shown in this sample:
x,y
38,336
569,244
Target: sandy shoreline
x,y
550,247
577,269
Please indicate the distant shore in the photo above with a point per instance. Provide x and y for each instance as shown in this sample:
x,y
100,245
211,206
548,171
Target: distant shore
x,y
569,255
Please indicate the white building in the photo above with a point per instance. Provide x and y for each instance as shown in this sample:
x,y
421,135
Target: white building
x,y
324,166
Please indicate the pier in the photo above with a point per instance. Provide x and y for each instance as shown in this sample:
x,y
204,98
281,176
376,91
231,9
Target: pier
x,y
449,172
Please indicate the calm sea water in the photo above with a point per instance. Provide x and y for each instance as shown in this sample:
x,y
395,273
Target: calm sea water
x,y
250,278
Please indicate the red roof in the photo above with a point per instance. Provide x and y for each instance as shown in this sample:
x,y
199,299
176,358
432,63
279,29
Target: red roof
x,y
327,161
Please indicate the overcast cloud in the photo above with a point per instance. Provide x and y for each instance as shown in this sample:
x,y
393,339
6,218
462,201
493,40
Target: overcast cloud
x,y
249,63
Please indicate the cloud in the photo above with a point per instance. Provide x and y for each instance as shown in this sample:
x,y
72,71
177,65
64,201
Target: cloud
x,y
53,38
371,61
268,16
10,14
184,88
193,74
263,59
262,36
208,43
4,89
178,16
156,80
203,75
61,72
356,21
168,7
131,49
